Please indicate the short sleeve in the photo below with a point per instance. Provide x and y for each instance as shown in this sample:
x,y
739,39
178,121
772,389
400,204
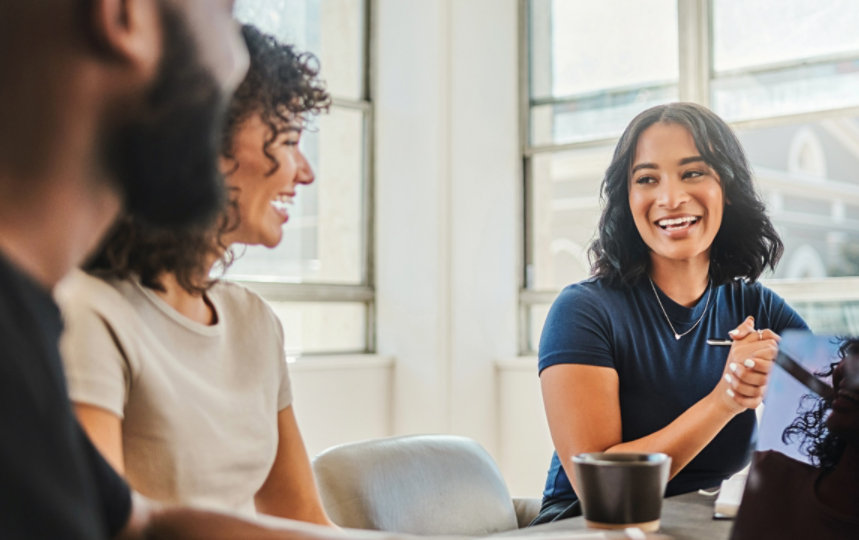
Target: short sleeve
x,y
284,392
96,365
577,330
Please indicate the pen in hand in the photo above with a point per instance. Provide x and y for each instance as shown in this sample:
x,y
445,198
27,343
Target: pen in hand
x,y
720,342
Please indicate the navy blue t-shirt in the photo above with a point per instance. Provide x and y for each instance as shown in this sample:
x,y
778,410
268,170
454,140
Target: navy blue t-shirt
x,y
660,377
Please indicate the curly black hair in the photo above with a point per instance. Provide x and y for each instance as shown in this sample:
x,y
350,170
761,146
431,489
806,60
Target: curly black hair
x,y
746,242
815,440
281,85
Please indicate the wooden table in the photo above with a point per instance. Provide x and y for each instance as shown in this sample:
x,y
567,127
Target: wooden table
x,y
684,517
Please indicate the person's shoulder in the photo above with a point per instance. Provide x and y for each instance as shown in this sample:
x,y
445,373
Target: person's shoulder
x,y
772,461
231,290
591,289
591,299
744,287
79,290
238,298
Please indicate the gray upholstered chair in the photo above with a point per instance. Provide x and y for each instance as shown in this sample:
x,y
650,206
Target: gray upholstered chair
x,y
419,484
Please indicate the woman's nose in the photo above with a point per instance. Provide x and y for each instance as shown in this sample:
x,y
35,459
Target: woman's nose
x,y
672,194
305,171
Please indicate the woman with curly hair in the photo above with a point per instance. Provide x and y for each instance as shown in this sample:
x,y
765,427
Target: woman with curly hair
x,y
624,361
786,498
180,379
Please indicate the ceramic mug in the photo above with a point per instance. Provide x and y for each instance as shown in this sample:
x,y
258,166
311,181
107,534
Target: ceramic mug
x,y
622,490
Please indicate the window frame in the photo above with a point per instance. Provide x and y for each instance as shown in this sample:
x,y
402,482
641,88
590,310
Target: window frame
x,y
276,290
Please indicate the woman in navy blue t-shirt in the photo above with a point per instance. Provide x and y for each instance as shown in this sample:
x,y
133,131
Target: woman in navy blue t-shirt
x,y
624,360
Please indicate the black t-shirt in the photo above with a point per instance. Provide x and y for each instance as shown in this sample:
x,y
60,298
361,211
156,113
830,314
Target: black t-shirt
x,y
53,483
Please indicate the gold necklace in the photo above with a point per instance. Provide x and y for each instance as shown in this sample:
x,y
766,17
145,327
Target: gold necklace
x,y
673,331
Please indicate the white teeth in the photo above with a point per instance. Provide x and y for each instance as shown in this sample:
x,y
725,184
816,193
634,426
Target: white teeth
x,y
281,203
688,220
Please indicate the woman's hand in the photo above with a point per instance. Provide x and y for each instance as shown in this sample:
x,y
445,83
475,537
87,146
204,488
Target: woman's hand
x,y
748,367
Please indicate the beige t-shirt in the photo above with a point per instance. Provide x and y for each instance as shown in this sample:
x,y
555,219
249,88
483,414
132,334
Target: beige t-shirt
x,y
199,403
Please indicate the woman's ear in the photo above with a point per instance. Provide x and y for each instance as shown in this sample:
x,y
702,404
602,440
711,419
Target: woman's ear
x,y
129,31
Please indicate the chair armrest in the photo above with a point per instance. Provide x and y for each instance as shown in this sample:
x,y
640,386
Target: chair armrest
x,y
527,509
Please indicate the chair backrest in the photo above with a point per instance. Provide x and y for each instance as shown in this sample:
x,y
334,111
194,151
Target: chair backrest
x,y
419,484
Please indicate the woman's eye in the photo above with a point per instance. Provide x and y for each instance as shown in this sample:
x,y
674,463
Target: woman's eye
x,y
693,174
645,180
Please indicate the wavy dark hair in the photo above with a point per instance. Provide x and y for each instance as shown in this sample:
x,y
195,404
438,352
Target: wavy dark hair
x,y
746,242
281,86
815,440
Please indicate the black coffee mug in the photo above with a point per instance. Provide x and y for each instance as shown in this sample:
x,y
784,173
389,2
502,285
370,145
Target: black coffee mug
x,y
622,490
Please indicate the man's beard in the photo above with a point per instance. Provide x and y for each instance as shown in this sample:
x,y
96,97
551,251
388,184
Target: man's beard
x,y
165,159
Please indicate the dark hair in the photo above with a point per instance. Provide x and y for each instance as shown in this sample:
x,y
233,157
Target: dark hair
x,y
816,441
280,83
746,242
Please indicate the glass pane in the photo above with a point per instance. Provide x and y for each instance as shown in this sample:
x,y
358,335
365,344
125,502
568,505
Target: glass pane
x,y
794,30
805,58
603,60
782,91
600,117
807,174
536,319
333,30
322,327
588,46
565,211
323,242
830,318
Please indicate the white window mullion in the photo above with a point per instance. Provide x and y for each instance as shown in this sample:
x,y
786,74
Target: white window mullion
x,y
695,50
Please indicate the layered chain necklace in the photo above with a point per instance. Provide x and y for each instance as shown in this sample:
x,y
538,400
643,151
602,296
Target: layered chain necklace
x,y
673,331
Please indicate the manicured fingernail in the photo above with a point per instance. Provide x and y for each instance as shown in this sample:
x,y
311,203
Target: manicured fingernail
x,y
749,363
734,332
751,317
729,392
729,378
733,367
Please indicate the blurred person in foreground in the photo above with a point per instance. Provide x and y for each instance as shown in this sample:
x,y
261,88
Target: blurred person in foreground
x,y
104,104
787,498
180,379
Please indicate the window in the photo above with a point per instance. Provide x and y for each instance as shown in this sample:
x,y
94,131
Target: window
x,y
318,279
789,88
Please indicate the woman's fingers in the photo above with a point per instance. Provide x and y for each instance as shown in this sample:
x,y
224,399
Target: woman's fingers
x,y
746,328
747,381
746,376
744,388
767,349
766,333
747,402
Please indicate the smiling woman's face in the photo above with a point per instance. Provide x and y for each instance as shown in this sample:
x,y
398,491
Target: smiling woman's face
x,y
675,197
263,197
844,418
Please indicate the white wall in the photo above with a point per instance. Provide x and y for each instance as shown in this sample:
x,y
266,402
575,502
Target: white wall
x,y
341,399
447,207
